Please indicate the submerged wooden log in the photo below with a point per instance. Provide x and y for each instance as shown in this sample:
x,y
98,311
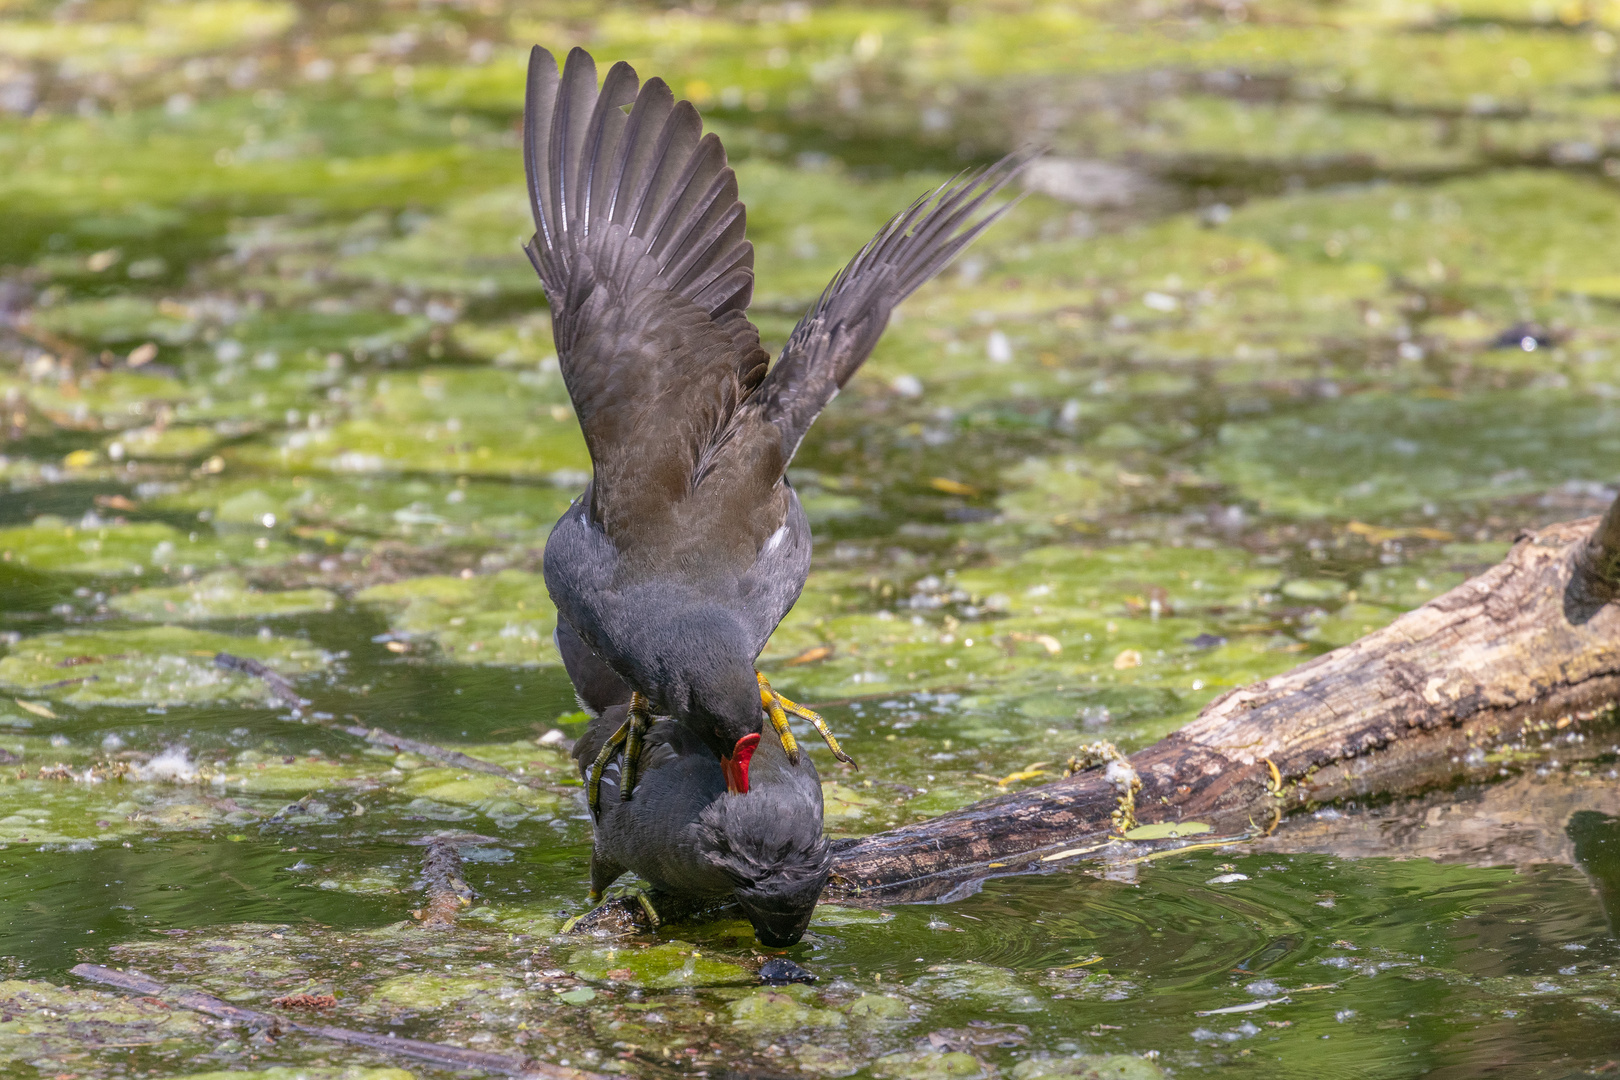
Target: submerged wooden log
x,y
1531,645
448,893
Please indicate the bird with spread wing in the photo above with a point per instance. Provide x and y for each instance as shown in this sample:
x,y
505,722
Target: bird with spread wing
x,y
689,545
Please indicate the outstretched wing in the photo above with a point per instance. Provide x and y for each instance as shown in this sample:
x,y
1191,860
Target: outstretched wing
x,y
836,335
639,244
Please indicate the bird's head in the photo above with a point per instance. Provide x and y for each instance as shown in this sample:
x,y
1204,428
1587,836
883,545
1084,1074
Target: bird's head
x,y
771,846
780,908
726,715
720,703
708,675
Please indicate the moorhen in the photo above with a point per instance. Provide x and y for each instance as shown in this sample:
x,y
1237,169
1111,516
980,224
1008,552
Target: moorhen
x,y
687,835
688,546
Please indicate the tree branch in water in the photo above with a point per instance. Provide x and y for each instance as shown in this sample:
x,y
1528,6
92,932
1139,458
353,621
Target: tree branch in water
x,y
447,893
1528,647
454,1057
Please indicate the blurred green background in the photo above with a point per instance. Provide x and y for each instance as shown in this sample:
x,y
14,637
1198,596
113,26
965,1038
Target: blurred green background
x,y
1308,310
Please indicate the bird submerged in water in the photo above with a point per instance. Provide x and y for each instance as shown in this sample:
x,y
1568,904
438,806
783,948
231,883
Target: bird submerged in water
x,y
687,835
689,546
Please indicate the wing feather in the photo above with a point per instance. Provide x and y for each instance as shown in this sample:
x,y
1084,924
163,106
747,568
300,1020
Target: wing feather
x,y
602,138
575,98
639,143
838,333
679,138
640,242
540,100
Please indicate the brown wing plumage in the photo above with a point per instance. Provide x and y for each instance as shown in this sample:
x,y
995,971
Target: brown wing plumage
x,y
639,243
836,335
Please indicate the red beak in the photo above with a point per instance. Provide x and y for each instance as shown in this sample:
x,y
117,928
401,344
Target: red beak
x,y
735,764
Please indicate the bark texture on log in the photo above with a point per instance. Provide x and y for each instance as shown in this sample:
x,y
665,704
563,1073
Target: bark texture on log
x,y
1532,642
448,893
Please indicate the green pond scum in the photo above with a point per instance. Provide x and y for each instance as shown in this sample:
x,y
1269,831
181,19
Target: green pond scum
x,y
1312,306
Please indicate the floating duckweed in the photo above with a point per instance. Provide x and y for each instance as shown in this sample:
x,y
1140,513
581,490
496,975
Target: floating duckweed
x,y
1093,605
220,595
433,991
1314,589
488,422
1372,453
665,966
1088,1067
984,984
179,442
160,33
501,618
879,1010
493,795
109,548
775,1012
474,248
44,1022
350,514
926,1065
163,666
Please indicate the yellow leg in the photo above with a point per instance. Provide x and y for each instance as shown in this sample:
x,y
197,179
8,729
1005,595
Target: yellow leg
x,y
772,702
593,781
639,720
626,892
777,707
640,896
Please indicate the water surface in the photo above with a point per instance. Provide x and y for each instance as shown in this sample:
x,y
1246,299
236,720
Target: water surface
x,y
1310,311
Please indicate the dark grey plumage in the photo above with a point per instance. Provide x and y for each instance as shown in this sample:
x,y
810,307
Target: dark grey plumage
x,y
597,687
688,836
689,546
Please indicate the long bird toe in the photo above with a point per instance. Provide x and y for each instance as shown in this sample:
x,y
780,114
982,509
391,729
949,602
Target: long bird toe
x,y
778,707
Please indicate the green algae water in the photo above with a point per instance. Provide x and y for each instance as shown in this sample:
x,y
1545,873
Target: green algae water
x,y
1310,309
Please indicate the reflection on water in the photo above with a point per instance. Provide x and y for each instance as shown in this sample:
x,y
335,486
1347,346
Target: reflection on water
x,y
1597,849
1206,405
1520,821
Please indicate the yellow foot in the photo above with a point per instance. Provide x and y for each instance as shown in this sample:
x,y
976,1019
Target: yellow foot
x,y
593,780
640,896
624,893
629,736
638,721
777,707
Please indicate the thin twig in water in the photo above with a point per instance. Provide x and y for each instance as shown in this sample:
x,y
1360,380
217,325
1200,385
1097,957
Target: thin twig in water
x,y
453,1056
455,758
280,688
60,683
284,692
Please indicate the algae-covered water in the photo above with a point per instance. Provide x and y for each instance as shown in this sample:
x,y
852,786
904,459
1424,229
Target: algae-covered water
x,y
1313,306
